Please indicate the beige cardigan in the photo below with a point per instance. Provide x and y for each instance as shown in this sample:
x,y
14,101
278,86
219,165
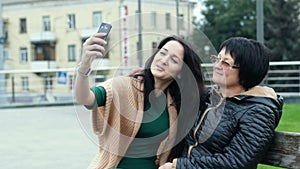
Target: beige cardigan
x,y
117,123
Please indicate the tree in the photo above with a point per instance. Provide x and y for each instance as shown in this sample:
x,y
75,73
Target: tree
x,y
283,30
227,18
204,46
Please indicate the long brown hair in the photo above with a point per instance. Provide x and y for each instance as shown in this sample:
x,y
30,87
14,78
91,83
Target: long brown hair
x,y
183,90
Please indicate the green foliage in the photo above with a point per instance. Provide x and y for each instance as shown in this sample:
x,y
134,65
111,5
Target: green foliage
x,y
204,45
228,18
283,30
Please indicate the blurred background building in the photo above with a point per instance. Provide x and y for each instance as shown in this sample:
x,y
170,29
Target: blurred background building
x,y
42,40
41,36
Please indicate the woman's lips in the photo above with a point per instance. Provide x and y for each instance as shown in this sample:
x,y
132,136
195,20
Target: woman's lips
x,y
159,68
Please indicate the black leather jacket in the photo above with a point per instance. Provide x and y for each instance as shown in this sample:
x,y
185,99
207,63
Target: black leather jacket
x,y
235,132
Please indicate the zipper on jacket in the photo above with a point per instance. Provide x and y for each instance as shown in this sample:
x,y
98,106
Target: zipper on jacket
x,y
198,126
237,98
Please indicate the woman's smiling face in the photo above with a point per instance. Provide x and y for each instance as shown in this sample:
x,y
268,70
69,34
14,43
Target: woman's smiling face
x,y
225,77
168,61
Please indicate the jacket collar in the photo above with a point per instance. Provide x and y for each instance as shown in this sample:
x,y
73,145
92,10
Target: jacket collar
x,y
258,91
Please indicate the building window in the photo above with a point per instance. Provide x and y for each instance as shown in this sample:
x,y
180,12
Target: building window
x,y
5,37
48,82
5,31
6,54
44,52
25,83
181,21
23,55
99,78
71,53
153,19
154,46
71,21
168,21
46,23
23,27
97,18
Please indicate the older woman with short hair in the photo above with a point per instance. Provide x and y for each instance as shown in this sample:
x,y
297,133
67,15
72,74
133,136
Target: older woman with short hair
x,y
236,124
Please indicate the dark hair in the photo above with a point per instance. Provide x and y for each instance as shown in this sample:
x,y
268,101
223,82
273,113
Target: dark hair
x,y
192,63
251,56
191,73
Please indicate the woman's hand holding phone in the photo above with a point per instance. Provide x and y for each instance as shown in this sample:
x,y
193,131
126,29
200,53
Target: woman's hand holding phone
x,y
94,47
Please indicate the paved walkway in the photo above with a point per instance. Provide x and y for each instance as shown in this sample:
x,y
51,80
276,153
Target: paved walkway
x,y
56,137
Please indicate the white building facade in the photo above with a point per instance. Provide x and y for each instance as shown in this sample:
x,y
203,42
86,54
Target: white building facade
x,y
45,35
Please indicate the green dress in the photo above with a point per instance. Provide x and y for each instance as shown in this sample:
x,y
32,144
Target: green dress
x,y
142,151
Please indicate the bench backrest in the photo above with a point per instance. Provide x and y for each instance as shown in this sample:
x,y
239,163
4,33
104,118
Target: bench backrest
x,y
284,151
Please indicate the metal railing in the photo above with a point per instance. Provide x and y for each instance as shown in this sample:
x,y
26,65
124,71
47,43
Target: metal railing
x,y
283,77
55,86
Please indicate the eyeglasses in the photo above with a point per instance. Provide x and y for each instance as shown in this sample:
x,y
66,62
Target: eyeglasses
x,y
225,64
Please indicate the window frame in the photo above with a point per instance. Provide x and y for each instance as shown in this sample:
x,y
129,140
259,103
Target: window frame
x,y
46,23
23,55
71,53
25,83
71,21
153,19
23,25
97,18
168,21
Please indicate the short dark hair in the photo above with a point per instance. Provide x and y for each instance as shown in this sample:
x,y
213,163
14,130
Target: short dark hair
x,y
251,56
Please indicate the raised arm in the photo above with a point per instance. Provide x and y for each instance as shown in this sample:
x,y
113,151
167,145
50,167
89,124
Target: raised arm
x,y
92,48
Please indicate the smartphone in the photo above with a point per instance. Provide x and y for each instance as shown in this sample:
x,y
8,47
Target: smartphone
x,y
105,28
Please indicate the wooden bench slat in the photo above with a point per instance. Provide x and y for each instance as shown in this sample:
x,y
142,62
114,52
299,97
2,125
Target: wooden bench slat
x,y
284,151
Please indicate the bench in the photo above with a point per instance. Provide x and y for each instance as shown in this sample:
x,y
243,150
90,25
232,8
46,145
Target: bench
x,y
284,151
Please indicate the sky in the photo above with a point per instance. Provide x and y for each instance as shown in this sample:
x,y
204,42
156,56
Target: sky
x,y
197,9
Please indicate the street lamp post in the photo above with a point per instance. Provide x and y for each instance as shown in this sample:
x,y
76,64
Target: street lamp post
x,y
259,21
177,15
140,43
2,75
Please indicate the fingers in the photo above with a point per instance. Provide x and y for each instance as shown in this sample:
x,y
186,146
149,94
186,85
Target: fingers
x,y
93,47
97,38
135,71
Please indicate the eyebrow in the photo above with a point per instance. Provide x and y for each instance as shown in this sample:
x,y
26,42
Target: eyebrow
x,y
221,56
172,55
164,49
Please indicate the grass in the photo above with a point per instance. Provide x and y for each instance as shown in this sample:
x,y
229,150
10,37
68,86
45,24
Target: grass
x,y
290,118
289,122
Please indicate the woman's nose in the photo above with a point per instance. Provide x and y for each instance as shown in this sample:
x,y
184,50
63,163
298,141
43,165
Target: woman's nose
x,y
164,60
218,65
